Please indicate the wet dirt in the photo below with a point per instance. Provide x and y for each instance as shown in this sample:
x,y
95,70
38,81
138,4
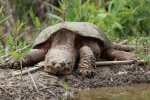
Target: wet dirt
x,y
12,88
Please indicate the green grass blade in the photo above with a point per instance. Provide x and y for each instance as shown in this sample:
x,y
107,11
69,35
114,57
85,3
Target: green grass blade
x,y
54,16
20,26
32,16
4,18
37,22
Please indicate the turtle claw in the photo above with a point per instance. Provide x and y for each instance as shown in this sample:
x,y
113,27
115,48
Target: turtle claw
x,y
12,62
84,72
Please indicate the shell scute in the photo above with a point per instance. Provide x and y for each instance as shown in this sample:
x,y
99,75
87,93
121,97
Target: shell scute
x,y
82,28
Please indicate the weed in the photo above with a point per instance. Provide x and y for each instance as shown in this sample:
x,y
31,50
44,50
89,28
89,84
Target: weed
x,y
67,91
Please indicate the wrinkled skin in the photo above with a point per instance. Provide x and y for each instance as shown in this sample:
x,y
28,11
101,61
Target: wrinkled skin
x,y
62,51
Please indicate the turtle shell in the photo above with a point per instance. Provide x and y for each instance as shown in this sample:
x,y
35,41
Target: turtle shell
x,y
82,28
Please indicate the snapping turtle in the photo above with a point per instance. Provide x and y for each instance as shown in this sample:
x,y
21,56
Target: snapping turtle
x,y
66,43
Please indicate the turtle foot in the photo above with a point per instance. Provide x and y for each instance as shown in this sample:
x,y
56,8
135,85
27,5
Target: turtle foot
x,y
85,72
12,62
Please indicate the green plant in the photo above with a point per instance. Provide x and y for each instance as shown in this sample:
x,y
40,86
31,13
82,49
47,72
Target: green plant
x,y
120,19
4,18
1,35
35,20
145,57
18,57
12,42
67,91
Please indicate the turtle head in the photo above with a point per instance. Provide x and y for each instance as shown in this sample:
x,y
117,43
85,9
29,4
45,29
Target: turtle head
x,y
59,61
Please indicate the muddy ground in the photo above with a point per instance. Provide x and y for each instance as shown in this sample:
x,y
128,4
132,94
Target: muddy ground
x,y
11,87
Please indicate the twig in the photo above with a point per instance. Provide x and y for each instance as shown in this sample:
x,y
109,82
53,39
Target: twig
x,y
65,10
26,71
124,47
51,12
101,63
33,81
16,51
44,87
123,42
135,52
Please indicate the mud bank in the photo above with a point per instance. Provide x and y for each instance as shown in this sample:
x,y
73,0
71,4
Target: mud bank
x,y
12,88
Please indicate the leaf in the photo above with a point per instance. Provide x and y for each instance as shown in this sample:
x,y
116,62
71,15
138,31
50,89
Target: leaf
x,y
54,16
63,6
101,16
135,9
126,30
24,43
59,3
118,25
19,36
1,9
140,19
41,27
24,52
18,23
124,19
66,93
144,56
71,14
16,41
32,16
14,54
135,30
10,41
56,8
4,18
12,31
91,18
65,86
110,6
83,18
37,21
18,28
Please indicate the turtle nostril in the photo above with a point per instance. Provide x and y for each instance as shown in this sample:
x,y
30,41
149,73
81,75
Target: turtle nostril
x,y
53,63
63,64
58,67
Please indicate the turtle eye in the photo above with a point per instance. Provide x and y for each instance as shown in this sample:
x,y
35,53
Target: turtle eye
x,y
69,62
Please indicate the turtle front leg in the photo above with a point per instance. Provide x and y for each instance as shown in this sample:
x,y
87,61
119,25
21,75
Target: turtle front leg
x,y
87,62
112,54
34,56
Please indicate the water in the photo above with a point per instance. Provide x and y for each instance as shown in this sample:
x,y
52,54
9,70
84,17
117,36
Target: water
x,y
132,92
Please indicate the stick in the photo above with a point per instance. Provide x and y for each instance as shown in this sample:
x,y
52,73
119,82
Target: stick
x,y
124,47
123,42
33,81
15,73
49,91
65,10
135,52
16,51
101,63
